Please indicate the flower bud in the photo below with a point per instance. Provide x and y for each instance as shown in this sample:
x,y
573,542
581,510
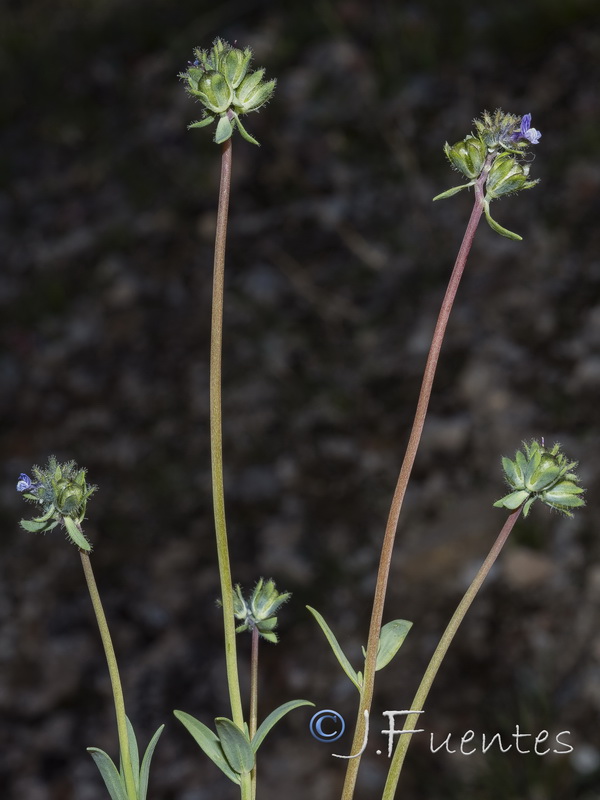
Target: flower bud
x,y
266,600
69,497
252,93
214,92
507,176
467,156
234,65
260,611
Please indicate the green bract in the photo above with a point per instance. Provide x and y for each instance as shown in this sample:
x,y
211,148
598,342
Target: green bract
x,y
259,612
467,156
507,176
220,80
541,474
62,491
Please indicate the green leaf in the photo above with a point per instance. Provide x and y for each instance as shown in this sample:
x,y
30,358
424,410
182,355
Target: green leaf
x,y
244,133
391,638
134,755
528,504
513,500
510,470
235,745
209,743
143,790
76,536
337,650
521,462
113,781
224,130
202,123
547,476
454,190
273,719
34,526
498,228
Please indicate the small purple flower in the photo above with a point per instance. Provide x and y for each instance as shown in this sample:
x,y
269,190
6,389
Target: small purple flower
x,y
527,132
25,483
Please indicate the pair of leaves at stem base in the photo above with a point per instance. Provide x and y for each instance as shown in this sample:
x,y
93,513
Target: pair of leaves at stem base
x,y
115,779
391,638
231,748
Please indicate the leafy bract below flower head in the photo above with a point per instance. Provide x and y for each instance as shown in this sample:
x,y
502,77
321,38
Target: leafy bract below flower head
x,y
62,491
259,612
220,80
541,474
494,152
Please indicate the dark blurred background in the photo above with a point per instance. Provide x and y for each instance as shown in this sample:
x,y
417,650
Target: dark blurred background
x,y
337,262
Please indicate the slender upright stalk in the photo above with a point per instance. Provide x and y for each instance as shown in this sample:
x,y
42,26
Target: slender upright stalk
x,y
216,438
254,682
254,696
440,652
113,671
405,471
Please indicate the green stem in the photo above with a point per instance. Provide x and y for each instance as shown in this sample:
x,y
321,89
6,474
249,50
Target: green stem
x,y
403,478
216,439
254,697
438,656
113,671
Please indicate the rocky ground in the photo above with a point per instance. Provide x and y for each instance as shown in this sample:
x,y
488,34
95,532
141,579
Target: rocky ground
x,y
337,261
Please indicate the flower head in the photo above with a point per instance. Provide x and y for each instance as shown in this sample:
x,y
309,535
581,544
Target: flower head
x,y
220,79
492,157
259,612
541,474
62,491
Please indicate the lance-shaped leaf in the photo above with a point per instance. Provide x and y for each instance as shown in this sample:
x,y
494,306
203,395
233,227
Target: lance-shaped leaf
x,y
337,650
209,743
391,639
273,719
498,228
202,123
76,536
145,769
37,526
236,746
512,500
454,190
134,756
113,781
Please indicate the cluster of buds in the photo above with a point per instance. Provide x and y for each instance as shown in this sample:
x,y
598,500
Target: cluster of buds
x,y
62,491
541,474
260,610
494,153
220,80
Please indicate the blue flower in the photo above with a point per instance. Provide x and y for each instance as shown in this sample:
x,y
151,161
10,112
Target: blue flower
x,y
25,483
527,132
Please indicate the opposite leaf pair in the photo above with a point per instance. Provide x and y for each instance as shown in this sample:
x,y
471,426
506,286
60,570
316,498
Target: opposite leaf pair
x,y
231,748
115,779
